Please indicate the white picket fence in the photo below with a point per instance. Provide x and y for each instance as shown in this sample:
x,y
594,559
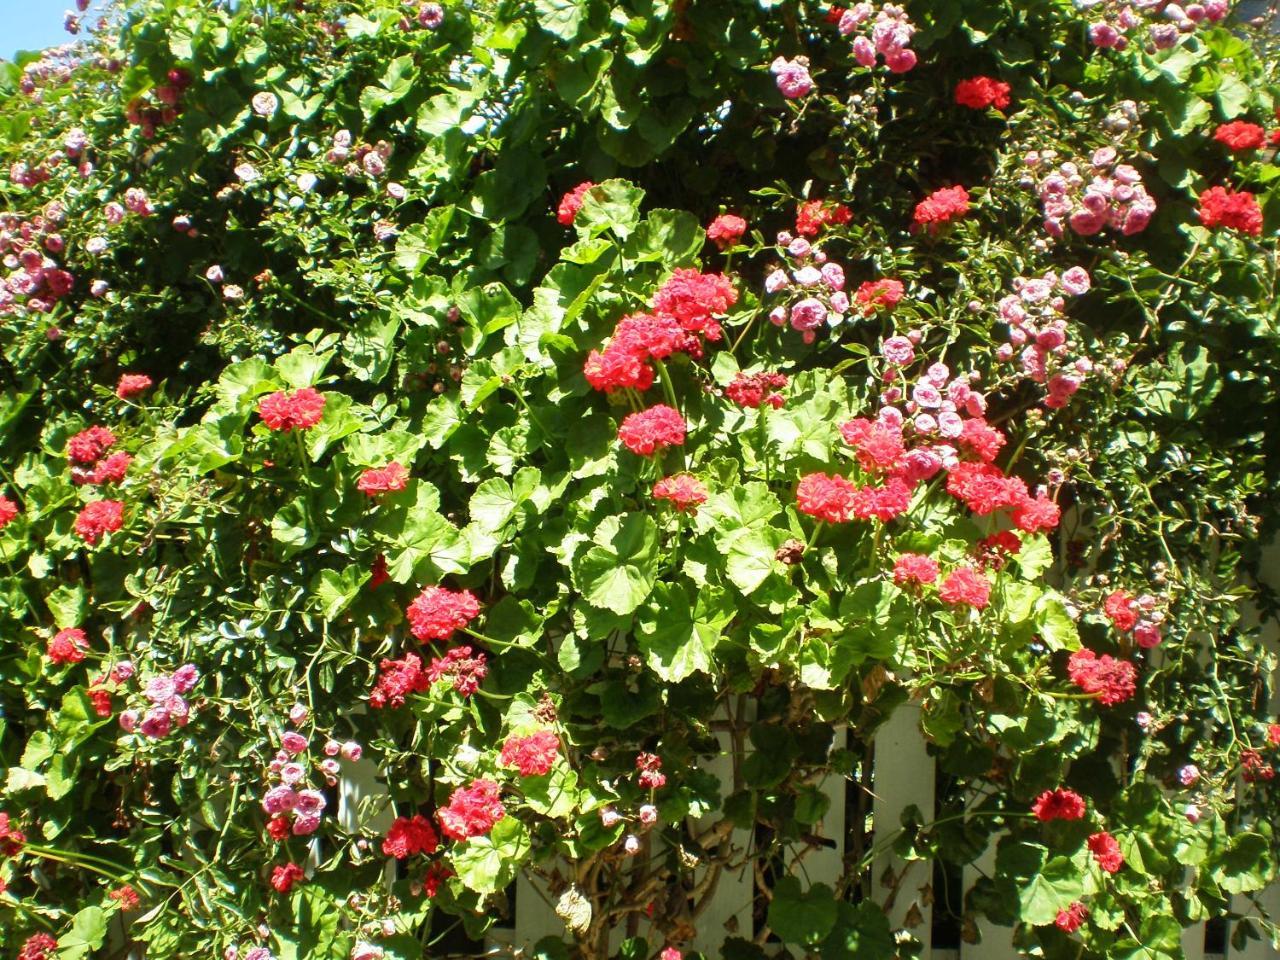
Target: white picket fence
x,y
904,775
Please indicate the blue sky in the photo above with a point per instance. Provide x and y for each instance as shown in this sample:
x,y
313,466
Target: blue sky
x,y
32,24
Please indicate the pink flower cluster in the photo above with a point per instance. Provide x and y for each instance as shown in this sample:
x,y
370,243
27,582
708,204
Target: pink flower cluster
x,y
295,807
368,159
472,811
1113,197
1166,20
35,281
813,285
164,704
1112,681
1037,324
885,33
792,76
1140,616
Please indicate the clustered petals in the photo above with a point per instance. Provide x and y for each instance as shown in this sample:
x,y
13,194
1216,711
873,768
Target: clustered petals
x,y
648,431
533,755
1112,681
299,410
437,612
472,811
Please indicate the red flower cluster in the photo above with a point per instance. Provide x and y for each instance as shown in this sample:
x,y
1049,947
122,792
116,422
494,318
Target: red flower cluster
x,y
813,215
437,874
879,444
874,294
68,646
1069,920
391,478
460,668
1273,734
992,552
985,488
398,679
126,896
571,203
109,470
829,498
299,410
1240,135
132,384
378,574
1058,804
533,755
1034,515
8,511
978,93
980,438
284,876
638,338
683,491
651,775
1106,850
1236,211
965,586
99,517
883,502
11,840
38,946
1121,610
914,568
754,390
1253,768
694,298
726,230
279,828
1113,681
90,444
648,431
410,835
472,811
942,206
437,612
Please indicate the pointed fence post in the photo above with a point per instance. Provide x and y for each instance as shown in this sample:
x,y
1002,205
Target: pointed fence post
x,y
904,776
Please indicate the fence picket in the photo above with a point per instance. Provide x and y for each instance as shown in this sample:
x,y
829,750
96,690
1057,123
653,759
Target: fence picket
x,y
904,775
996,942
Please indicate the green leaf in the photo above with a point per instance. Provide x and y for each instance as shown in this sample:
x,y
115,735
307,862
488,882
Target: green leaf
x,y
613,205
88,930
619,571
751,557
67,604
678,638
487,864
332,591
560,18
1057,629
861,932
805,917
1053,888
554,794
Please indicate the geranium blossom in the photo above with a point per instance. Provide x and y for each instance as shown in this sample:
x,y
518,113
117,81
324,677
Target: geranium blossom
x,y
437,612
1240,135
979,93
1220,207
472,811
827,497
533,755
1113,681
649,431
965,586
941,207
571,203
388,479
695,299
1059,803
683,491
299,410
1106,851
68,646
726,230
99,517
408,836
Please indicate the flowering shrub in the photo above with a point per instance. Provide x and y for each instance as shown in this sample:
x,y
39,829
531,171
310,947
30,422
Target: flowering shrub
x,y
524,405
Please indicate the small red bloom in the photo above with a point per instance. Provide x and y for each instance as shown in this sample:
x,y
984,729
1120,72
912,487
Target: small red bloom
x,y
829,498
437,612
883,502
648,431
1240,135
126,896
726,230
1069,920
389,479
299,410
111,469
1236,211
410,835
874,294
984,488
942,206
756,389
378,572
1254,768
571,203
38,946
1032,516
1106,851
460,668
8,511
813,215
914,568
472,811
437,873
11,840
1121,610
965,586
1058,804
88,445
278,828
980,92
533,755
978,436
1273,734
68,646
695,298
284,876
651,776
99,517
1113,681
879,444
132,384
683,491
398,679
